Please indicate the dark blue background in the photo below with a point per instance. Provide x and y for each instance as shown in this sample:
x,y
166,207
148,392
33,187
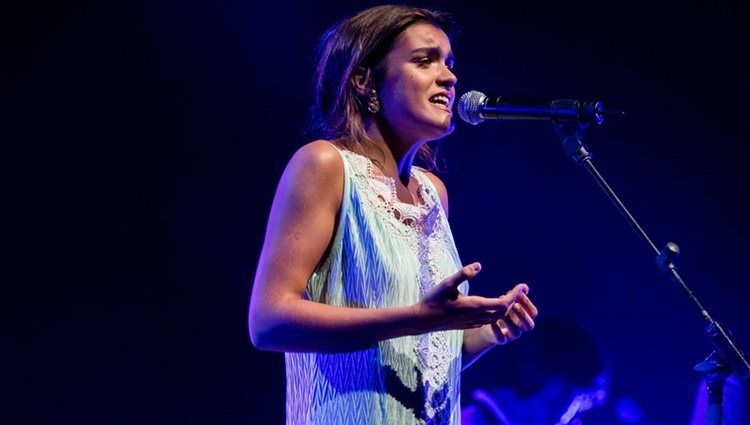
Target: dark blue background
x,y
144,141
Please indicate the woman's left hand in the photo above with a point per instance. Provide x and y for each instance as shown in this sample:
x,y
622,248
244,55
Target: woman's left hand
x,y
518,319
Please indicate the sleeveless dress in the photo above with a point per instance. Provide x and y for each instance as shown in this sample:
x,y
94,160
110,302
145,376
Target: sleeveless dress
x,y
385,253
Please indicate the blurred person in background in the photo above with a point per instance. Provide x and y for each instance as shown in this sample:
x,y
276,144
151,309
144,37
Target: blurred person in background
x,y
550,377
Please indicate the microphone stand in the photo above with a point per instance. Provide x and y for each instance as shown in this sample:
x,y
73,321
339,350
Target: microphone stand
x,y
727,355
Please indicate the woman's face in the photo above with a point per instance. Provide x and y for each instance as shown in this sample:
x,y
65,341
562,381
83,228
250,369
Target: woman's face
x,y
418,91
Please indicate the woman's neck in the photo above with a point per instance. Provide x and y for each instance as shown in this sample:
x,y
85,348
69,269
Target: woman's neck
x,y
396,156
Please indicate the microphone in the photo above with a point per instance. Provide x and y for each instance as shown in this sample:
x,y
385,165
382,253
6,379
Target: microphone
x,y
475,107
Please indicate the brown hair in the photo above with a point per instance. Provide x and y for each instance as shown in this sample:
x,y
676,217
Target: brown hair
x,y
362,40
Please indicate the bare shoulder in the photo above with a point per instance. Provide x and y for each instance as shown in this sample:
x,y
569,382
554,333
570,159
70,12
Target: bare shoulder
x,y
316,163
436,181
440,186
319,156
316,170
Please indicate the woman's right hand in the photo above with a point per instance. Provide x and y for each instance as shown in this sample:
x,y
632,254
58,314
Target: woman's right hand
x,y
444,307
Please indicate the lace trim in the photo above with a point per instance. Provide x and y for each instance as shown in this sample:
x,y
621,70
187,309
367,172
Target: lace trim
x,y
384,195
422,227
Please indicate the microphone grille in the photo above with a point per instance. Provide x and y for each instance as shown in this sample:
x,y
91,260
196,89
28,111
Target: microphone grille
x,y
470,106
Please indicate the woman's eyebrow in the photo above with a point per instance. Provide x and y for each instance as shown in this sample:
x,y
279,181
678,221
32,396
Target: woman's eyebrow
x,y
434,51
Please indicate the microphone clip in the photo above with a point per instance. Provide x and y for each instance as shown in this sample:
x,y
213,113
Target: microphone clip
x,y
571,133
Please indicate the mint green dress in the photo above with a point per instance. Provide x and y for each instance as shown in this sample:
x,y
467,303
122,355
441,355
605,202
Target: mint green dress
x,y
385,254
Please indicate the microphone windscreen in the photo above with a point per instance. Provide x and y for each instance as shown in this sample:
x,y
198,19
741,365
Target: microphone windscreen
x,y
470,106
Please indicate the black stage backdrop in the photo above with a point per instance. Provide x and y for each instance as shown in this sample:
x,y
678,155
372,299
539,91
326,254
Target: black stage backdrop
x,y
143,142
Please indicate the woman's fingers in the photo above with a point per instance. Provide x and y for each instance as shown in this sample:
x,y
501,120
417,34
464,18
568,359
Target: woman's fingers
x,y
447,290
525,302
519,317
514,294
467,272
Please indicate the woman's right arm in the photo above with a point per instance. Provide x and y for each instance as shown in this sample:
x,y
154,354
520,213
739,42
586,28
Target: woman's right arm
x,y
300,228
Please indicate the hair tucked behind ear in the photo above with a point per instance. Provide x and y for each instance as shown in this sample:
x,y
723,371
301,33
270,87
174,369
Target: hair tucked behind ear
x,y
360,42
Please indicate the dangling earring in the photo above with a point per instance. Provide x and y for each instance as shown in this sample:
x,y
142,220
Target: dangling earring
x,y
373,104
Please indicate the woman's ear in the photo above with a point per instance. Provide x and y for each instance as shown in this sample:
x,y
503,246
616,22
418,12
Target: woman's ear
x,y
361,80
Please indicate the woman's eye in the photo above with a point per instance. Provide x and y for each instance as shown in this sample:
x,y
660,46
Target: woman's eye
x,y
424,61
